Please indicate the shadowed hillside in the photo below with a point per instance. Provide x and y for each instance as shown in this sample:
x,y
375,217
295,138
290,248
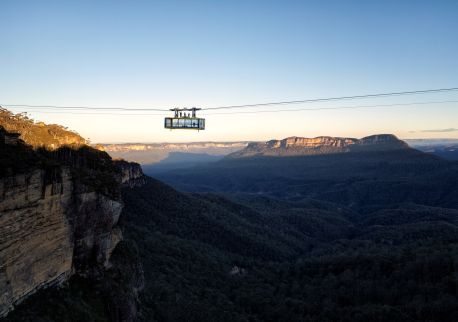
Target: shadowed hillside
x,y
357,176
264,259
179,161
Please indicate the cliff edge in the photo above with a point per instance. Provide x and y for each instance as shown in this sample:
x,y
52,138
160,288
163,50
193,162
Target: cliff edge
x,y
59,211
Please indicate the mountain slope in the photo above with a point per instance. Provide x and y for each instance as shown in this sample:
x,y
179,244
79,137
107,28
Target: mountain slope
x,y
263,259
363,174
179,161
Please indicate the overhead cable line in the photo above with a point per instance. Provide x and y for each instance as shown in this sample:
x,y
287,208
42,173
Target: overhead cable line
x,y
440,90
256,112
317,100
95,113
335,107
86,108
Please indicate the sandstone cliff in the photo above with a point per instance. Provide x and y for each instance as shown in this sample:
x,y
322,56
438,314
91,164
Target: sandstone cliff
x,y
52,224
59,213
294,146
50,231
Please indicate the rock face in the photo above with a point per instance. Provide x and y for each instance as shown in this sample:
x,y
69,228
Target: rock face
x,y
59,210
60,203
50,228
131,174
35,235
294,146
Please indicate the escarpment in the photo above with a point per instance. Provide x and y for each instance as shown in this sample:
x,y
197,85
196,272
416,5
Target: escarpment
x,y
59,212
295,146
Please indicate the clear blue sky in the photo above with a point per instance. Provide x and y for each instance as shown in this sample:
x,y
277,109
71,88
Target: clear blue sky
x,y
209,53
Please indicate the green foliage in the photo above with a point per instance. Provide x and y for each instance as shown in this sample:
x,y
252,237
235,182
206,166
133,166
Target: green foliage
x,y
92,168
356,179
301,261
38,134
74,302
16,159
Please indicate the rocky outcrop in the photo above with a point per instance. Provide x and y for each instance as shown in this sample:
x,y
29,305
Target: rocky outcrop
x,y
50,229
131,174
59,210
294,146
296,142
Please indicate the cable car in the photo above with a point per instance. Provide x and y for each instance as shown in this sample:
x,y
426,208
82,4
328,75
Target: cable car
x,y
183,120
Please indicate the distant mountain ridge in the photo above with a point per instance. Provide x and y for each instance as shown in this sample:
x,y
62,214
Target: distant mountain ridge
x,y
111,147
378,169
150,153
153,153
445,148
296,146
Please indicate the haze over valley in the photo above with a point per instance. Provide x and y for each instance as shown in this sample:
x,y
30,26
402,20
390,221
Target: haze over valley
x,y
160,157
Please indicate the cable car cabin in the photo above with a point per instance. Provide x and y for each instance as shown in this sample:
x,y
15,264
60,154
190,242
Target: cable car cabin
x,y
183,120
184,123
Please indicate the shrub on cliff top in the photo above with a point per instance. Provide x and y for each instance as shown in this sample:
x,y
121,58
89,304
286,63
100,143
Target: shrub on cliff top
x,y
38,134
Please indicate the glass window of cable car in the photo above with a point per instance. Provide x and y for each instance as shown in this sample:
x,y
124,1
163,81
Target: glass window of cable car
x,y
184,123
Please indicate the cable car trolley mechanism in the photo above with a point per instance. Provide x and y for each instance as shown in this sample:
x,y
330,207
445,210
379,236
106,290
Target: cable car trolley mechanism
x,y
183,120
